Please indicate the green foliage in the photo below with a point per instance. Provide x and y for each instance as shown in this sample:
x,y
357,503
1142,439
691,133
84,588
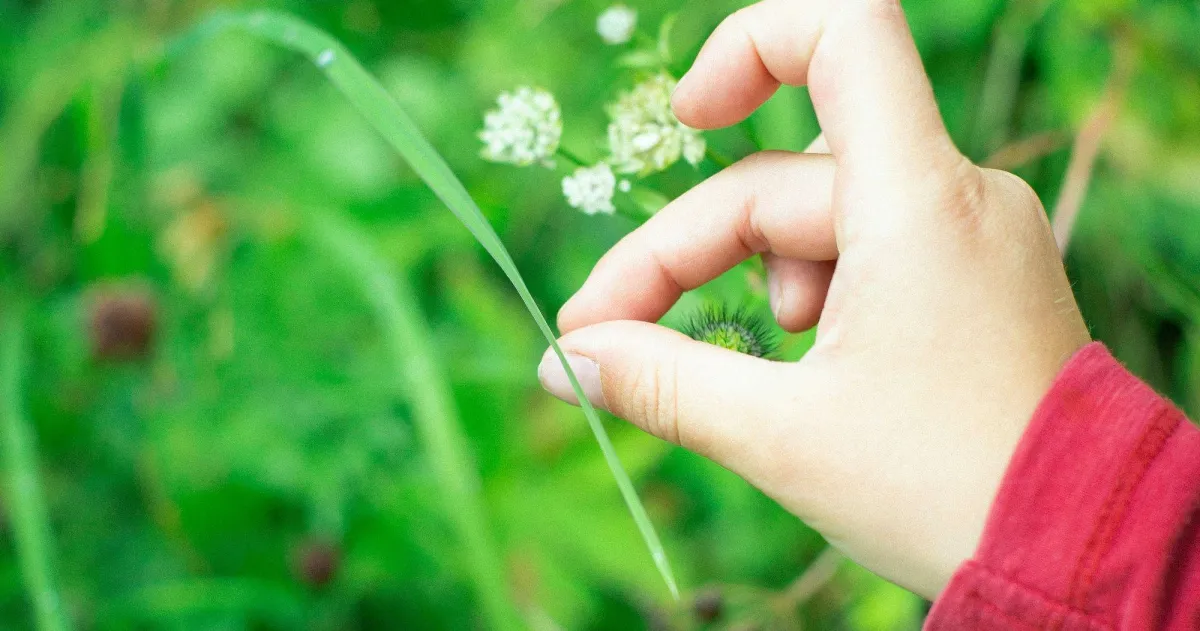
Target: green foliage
x,y
433,408
27,509
301,363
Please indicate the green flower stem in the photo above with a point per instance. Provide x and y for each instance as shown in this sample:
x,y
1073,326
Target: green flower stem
x,y
633,211
721,160
571,157
649,42
26,505
646,201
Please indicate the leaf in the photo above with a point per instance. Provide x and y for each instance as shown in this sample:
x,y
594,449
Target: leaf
x,y
387,117
641,60
25,502
664,37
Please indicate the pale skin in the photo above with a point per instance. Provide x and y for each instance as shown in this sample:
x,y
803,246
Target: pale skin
x,y
942,309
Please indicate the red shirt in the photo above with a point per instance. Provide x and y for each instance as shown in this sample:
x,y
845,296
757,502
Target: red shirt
x,y
1094,526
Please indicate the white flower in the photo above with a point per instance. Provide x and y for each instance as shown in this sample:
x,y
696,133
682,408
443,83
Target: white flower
x,y
616,24
524,129
590,189
644,135
694,147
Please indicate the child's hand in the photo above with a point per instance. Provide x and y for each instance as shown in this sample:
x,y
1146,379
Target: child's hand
x,y
944,313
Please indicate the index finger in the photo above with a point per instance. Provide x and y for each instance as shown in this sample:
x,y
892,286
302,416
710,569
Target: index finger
x,y
864,74
772,202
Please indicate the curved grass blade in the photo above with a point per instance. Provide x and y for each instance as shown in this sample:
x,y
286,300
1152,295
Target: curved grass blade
x,y
389,119
102,58
27,507
395,304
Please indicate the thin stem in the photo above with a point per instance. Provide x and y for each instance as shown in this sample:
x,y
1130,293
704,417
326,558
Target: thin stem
x,y
634,212
720,159
1021,152
1087,146
643,38
814,578
27,506
103,112
646,203
571,157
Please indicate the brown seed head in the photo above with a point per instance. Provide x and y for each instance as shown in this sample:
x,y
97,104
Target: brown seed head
x,y
122,324
317,562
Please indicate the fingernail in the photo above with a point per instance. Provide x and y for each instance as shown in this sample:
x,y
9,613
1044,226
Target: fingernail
x,y
774,293
554,378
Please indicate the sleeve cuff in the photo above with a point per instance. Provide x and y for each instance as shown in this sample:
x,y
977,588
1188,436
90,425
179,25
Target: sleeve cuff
x,y
1084,497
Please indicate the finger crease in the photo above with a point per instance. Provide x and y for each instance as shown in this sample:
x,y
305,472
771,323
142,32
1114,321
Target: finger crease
x,y
749,36
749,233
667,272
676,436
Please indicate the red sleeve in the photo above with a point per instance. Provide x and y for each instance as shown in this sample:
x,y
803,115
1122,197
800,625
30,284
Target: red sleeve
x,y
1094,526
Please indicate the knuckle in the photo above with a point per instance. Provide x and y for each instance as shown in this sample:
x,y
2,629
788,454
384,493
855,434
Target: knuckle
x,y
962,193
755,176
747,227
739,22
1015,190
666,401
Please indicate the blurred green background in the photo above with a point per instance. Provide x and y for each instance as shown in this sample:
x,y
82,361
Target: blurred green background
x,y
224,439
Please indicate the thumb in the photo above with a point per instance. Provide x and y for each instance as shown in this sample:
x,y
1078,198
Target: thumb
x,y
702,397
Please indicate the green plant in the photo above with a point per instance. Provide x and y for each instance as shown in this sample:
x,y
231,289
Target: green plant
x,y
24,497
737,329
378,107
442,436
270,408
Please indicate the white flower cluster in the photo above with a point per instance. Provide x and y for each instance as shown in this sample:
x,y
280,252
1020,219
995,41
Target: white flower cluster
x,y
616,24
644,135
590,189
524,129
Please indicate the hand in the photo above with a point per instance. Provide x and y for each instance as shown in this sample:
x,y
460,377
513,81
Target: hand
x,y
942,309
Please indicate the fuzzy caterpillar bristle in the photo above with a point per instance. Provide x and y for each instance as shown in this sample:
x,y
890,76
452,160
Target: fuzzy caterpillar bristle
x,y
735,329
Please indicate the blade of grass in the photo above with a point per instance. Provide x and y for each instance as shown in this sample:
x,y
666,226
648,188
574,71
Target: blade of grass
x,y
390,120
36,108
1002,78
102,112
26,506
409,339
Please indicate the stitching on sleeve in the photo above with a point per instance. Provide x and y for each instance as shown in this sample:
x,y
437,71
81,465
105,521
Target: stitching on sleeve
x,y
1112,513
1058,613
